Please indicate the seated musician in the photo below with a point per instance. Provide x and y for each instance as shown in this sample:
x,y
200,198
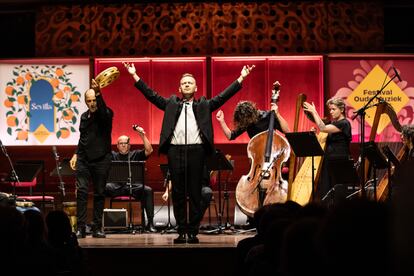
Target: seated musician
x,y
121,189
247,117
337,142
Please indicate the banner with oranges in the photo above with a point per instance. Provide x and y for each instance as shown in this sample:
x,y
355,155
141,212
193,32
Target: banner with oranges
x,y
41,103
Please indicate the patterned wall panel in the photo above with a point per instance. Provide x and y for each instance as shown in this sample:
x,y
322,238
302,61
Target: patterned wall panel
x,y
275,28
355,27
63,31
209,28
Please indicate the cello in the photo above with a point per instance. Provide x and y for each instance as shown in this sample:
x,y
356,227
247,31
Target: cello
x,y
264,184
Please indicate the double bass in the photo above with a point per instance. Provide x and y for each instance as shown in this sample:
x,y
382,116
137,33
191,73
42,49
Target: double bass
x,y
264,184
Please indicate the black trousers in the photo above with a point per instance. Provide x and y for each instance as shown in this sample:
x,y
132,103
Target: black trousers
x,y
97,171
187,161
122,189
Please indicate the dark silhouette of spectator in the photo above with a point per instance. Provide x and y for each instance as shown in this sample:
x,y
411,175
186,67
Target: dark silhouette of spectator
x,y
37,254
298,253
11,238
244,246
264,258
68,254
355,239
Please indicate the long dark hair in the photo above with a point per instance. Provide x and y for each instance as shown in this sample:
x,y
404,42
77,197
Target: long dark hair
x,y
245,114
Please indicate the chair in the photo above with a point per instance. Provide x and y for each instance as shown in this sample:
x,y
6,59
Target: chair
x,y
28,175
121,172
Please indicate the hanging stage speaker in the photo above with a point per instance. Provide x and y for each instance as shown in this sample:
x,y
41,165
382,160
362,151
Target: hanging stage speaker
x,y
115,219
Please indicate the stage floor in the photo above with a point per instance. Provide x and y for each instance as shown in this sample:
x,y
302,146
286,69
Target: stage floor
x,y
157,240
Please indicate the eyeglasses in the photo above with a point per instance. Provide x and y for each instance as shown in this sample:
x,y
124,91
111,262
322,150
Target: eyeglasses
x,y
123,143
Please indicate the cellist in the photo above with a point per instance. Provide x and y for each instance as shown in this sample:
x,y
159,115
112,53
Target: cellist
x,y
338,140
247,117
267,151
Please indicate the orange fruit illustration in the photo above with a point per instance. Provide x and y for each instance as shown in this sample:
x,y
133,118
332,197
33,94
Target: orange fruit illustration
x,y
54,83
8,103
9,90
64,133
59,72
67,114
74,98
28,77
21,99
22,135
20,80
59,95
11,121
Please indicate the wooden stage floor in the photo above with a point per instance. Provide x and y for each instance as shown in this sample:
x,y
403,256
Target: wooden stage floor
x,y
158,240
156,254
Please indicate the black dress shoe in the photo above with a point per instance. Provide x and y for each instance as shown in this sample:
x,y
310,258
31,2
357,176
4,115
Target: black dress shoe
x,y
180,239
192,239
81,233
98,234
151,228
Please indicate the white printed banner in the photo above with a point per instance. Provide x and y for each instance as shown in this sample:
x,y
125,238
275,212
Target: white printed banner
x,y
41,104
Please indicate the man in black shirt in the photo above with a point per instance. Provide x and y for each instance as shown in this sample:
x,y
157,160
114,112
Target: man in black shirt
x,y
92,159
118,189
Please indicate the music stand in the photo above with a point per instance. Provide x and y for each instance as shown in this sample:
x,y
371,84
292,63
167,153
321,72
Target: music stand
x,y
120,173
65,169
391,158
26,171
218,162
166,174
305,144
342,172
377,159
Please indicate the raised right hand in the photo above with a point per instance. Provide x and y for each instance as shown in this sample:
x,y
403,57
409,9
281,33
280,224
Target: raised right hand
x,y
130,67
220,116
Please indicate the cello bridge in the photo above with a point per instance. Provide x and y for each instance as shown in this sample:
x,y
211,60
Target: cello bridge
x,y
265,174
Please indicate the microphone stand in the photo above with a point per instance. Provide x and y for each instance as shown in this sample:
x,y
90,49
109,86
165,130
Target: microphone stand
x,y
61,183
185,168
14,175
361,112
169,226
129,183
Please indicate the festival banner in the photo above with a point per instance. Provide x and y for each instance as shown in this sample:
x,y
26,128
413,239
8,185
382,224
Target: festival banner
x,y
42,101
358,78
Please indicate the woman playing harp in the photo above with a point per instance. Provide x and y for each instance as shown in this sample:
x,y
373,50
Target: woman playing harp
x,y
338,140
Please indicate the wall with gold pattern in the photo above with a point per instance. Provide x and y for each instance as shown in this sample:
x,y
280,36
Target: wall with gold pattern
x,y
209,28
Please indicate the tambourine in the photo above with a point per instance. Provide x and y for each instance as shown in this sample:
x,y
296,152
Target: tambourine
x,y
107,76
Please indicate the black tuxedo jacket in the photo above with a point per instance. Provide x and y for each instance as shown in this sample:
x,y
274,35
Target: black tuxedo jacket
x,y
202,108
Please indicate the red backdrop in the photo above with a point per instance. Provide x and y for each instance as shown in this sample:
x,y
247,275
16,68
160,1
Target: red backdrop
x,y
297,74
130,106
